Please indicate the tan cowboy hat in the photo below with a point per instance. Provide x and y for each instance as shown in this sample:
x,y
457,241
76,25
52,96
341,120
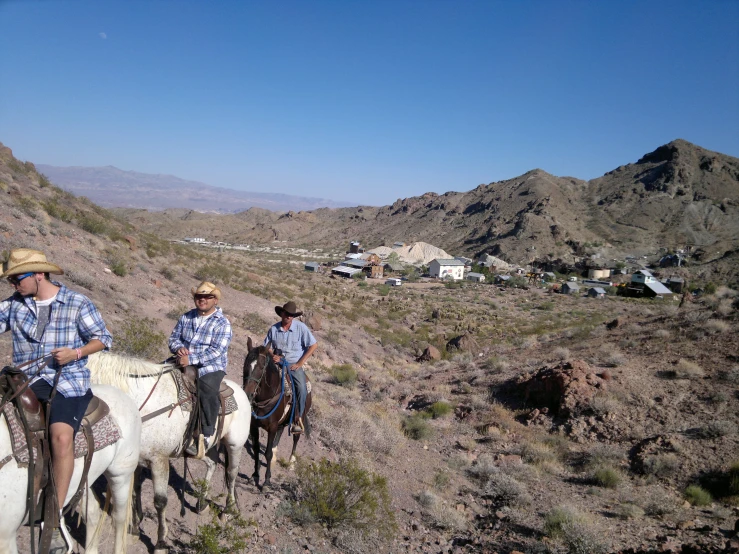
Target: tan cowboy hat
x,y
206,287
290,309
25,260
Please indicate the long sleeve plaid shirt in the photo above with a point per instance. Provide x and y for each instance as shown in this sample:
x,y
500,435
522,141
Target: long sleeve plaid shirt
x,y
206,339
74,321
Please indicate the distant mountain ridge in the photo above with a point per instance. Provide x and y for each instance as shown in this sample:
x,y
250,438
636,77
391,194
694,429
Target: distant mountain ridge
x,y
676,196
112,187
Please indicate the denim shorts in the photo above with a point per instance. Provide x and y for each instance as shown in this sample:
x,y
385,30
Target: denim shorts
x,y
63,410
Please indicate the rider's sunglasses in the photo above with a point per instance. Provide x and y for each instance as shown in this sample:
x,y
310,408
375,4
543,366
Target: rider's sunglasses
x,y
15,280
205,296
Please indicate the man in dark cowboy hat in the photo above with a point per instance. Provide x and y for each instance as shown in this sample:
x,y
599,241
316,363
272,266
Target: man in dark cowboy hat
x,y
55,329
297,344
201,338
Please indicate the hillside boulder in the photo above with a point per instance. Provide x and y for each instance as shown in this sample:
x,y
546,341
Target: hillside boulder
x,y
462,343
431,353
567,389
313,321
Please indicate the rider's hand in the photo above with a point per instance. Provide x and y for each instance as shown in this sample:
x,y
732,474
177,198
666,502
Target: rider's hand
x,y
276,359
62,356
183,360
182,352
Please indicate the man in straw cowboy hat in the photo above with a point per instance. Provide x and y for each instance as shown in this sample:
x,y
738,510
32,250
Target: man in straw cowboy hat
x,y
54,330
293,338
201,339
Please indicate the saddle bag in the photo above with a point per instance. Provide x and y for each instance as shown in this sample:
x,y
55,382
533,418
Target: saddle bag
x,y
11,379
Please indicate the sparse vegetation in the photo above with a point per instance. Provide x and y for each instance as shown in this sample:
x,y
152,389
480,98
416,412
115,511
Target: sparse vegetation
x,y
344,375
140,337
698,496
608,477
416,427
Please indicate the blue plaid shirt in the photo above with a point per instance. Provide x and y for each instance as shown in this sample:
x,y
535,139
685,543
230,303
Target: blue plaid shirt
x,y
208,343
74,321
293,342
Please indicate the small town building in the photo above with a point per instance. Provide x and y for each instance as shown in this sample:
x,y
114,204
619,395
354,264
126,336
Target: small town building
x,y
597,292
355,256
313,266
374,271
343,271
370,257
502,279
355,247
476,277
570,288
393,267
599,273
675,284
656,290
359,264
398,244
643,276
446,269
549,276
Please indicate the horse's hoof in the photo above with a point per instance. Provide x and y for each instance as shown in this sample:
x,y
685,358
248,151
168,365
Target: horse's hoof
x,y
160,549
203,508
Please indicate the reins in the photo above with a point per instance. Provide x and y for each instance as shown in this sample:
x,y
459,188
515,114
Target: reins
x,y
283,364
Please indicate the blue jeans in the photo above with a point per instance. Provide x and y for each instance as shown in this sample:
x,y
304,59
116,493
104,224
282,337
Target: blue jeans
x,y
301,391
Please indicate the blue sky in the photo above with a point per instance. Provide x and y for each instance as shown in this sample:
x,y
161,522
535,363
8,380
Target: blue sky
x,y
368,101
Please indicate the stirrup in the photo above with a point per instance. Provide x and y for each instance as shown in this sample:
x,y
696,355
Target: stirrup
x,y
61,540
197,448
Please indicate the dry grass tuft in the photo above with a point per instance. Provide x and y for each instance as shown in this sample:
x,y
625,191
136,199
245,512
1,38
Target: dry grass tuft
x,y
685,369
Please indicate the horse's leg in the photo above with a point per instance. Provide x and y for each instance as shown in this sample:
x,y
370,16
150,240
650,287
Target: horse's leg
x,y
120,490
254,432
293,459
137,515
233,451
268,455
160,479
90,511
210,468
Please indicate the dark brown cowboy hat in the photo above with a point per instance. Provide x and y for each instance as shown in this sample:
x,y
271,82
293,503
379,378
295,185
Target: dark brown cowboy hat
x,y
290,309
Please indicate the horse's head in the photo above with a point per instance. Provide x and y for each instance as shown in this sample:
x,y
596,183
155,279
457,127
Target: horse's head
x,y
257,362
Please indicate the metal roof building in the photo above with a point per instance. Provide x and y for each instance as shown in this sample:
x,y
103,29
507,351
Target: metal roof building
x,y
344,271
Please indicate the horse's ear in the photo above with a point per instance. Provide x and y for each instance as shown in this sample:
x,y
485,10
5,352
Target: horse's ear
x,y
249,344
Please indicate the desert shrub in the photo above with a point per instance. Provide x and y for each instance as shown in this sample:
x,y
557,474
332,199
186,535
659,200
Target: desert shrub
x,y
717,326
440,514
607,476
581,538
140,337
685,369
660,465
358,432
662,334
93,224
730,375
118,267
441,479
716,429
344,375
416,427
555,518
383,290
604,455
27,205
440,409
561,353
537,453
342,494
214,272
629,510
43,181
710,288
505,490
82,279
167,273
698,496
660,503
57,211
177,311
602,404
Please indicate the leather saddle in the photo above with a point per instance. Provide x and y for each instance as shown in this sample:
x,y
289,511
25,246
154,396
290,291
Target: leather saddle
x,y
32,415
190,377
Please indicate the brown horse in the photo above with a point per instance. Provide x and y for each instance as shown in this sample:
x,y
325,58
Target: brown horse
x,y
263,387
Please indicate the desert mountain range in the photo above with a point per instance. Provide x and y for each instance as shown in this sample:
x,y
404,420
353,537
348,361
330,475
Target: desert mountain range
x,y
676,196
112,187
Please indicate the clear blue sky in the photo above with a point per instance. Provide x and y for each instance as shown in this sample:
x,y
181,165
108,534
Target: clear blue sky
x,y
365,101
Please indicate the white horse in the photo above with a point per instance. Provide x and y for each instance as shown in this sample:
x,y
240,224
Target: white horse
x,y
153,387
117,462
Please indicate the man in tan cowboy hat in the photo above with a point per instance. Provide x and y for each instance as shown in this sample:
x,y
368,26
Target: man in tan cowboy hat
x,y
201,339
55,329
293,338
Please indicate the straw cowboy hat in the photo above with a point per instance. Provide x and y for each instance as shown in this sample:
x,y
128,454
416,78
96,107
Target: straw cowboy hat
x,y
290,309
25,260
206,287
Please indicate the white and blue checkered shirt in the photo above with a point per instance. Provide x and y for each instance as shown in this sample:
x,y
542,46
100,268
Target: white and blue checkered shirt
x,y
74,321
206,339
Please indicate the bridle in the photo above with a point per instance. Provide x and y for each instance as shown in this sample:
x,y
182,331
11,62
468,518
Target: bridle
x,y
258,381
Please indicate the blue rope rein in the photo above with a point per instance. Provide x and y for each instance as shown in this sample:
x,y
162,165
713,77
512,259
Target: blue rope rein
x,y
283,365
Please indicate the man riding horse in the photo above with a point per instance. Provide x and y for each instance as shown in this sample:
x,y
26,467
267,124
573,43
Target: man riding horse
x,y
54,330
293,340
201,339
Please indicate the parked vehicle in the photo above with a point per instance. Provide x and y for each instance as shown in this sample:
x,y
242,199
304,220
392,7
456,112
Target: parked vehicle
x,y
394,282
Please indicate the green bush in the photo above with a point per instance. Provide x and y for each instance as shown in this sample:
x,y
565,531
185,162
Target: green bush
x,y
440,409
55,210
214,272
344,375
167,273
43,180
698,496
557,517
218,537
140,337
27,205
93,224
383,290
119,267
342,495
416,427
606,476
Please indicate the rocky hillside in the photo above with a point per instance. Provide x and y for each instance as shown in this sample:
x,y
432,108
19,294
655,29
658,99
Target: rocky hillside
x,y
678,195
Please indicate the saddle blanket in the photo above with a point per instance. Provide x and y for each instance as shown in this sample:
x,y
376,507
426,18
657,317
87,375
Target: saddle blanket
x,y
105,432
183,395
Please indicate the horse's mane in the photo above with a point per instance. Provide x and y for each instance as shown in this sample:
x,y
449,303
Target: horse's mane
x,y
107,368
